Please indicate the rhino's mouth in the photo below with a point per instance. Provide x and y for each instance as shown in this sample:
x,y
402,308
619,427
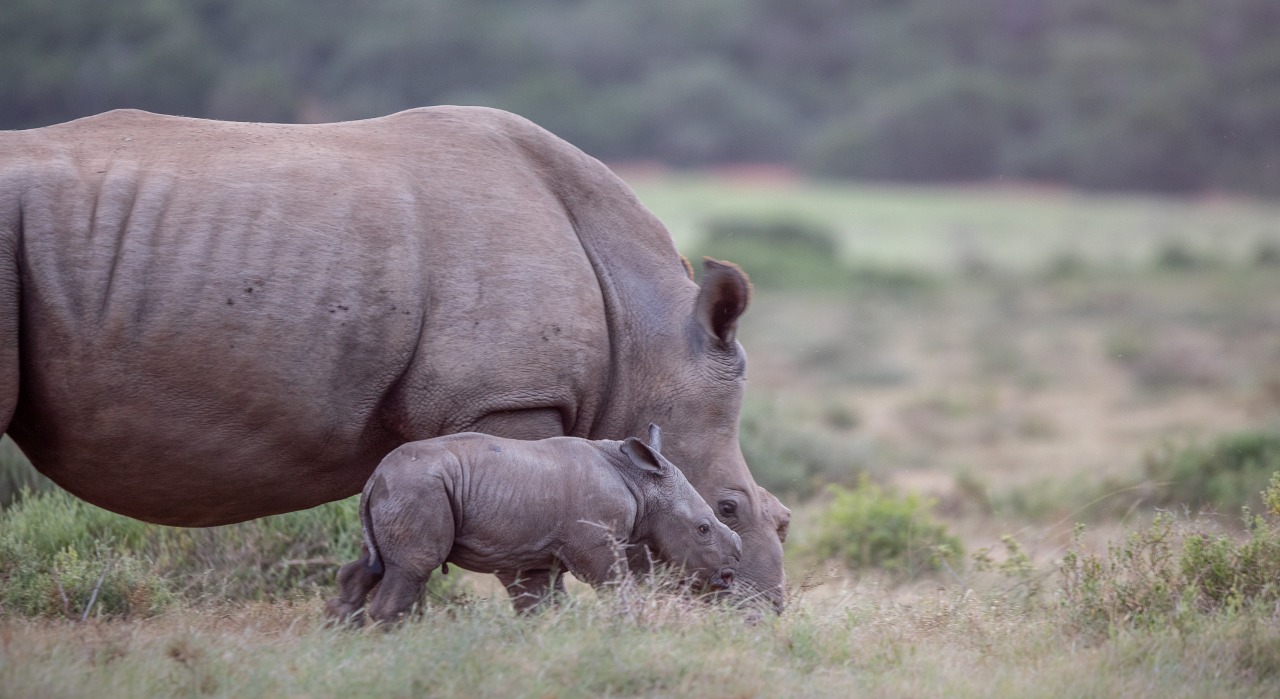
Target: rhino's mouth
x,y
722,581
774,599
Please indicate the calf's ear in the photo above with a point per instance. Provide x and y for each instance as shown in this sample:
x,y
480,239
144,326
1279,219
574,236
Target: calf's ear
x,y
655,436
722,300
643,456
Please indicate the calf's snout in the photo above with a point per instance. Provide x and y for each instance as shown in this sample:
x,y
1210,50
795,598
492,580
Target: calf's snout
x,y
722,580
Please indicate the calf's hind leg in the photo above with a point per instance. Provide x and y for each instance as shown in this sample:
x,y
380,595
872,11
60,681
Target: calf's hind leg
x,y
355,580
412,544
400,589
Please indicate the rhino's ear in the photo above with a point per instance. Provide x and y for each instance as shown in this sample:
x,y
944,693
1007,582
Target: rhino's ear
x,y
655,436
722,300
643,456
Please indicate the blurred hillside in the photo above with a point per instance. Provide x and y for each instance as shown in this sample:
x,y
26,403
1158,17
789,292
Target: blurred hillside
x,y
1176,95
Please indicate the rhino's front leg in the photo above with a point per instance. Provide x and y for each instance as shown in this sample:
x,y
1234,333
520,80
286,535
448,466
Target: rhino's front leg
x,y
533,590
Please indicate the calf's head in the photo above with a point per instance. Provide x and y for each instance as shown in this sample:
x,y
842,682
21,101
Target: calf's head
x,y
676,523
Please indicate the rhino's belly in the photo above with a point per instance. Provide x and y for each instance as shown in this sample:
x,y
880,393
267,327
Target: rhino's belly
x,y
203,477
192,447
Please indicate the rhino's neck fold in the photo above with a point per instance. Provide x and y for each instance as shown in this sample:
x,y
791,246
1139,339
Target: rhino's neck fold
x,y
646,289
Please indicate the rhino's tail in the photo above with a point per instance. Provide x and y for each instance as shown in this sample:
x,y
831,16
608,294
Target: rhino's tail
x,y
374,564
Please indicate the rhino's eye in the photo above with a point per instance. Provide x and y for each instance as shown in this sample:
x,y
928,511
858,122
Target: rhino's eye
x,y
704,529
728,508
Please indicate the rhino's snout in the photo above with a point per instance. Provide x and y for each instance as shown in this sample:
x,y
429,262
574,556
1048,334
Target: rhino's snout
x,y
723,580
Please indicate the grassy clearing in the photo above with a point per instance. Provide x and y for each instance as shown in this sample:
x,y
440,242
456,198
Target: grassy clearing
x,y
989,366
62,557
947,644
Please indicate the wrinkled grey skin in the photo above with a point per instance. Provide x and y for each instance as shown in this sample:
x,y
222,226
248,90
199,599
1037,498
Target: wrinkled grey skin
x,y
527,511
205,322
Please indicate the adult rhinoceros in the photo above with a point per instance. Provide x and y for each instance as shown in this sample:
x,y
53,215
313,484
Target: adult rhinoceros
x,y
204,322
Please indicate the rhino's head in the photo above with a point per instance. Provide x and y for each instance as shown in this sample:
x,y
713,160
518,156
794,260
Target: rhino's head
x,y
677,524
698,396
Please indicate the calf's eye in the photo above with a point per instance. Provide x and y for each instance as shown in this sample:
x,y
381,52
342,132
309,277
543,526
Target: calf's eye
x,y
704,529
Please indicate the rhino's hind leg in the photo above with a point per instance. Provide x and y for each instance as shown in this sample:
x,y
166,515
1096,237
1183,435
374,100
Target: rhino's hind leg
x,y
8,335
355,580
533,590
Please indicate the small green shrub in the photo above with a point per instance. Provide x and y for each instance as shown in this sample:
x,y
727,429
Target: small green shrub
x,y
16,473
1228,473
56,550
1173,569
867,527
1176,256
75,584
1267,254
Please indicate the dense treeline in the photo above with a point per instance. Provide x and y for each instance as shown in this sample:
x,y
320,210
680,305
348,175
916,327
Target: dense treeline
x,y
1173,95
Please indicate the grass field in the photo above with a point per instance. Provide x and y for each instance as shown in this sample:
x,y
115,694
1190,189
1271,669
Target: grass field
x,y
1016,227
973,374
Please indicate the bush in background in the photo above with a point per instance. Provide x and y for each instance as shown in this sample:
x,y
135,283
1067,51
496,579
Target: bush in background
x,y
867,527
781,251
789,459
1228,473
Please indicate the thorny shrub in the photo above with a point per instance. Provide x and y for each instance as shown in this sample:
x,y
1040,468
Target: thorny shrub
x,y
1174,569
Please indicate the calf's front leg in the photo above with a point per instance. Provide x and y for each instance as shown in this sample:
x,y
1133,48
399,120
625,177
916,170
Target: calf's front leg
x,y
533,590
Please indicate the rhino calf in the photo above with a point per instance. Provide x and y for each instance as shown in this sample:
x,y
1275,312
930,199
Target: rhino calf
x,y
526,510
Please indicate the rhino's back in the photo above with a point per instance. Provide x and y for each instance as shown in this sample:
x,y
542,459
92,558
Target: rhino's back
x,y
244,317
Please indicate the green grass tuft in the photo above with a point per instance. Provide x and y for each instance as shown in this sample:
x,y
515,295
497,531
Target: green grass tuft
x,y
54,547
